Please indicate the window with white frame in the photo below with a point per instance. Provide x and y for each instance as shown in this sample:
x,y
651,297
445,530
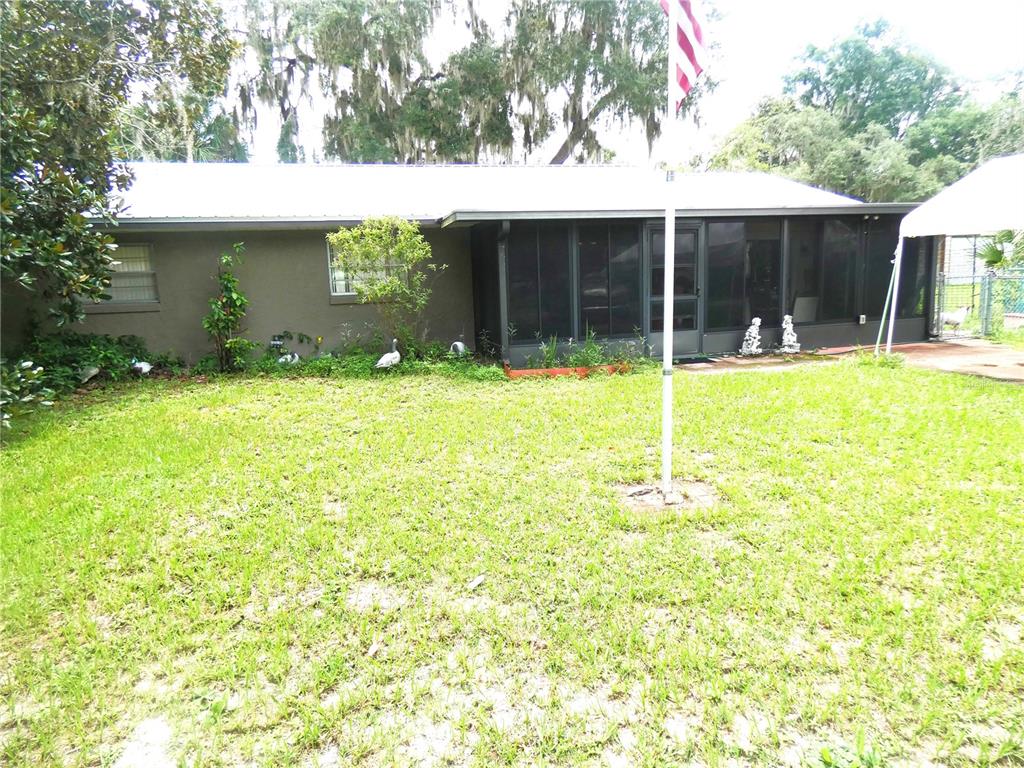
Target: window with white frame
x,y
343,283
133,278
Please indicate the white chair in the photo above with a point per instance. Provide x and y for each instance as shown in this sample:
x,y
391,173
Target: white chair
x,y
805,309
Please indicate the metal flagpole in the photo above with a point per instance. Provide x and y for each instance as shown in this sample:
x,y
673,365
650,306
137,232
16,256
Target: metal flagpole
x,y
668,294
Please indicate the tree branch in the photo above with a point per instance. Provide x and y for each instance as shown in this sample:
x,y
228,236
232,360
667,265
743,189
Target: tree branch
x,y
579,129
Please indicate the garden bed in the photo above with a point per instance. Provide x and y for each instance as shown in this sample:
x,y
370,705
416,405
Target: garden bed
x,y
582,371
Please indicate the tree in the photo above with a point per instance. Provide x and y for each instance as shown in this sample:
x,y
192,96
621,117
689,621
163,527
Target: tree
x,y
1003,249
388,261
557,65
179,128
872,78
68,70
808,144
605,59
868,118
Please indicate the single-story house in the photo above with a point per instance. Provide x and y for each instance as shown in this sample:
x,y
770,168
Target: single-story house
x,y
532,252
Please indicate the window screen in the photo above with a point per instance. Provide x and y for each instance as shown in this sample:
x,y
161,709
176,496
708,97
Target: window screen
x,y
133,278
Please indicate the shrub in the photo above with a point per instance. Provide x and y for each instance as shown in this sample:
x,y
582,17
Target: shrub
x,y
63,356
22,390
881,360
587,354
357,363
590,353
390,258
227,310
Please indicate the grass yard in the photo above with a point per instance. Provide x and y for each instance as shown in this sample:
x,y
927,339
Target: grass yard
x,y
285,572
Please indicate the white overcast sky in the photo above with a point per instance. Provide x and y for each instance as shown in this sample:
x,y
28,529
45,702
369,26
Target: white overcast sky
x,y
757,45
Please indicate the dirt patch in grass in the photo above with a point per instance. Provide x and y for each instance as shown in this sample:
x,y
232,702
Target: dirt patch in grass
x,y
148,746
686,494
365,596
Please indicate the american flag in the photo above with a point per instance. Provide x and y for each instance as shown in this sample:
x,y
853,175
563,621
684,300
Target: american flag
x,y
690,56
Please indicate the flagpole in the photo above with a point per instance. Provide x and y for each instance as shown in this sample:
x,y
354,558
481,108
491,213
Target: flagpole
x,y
668,294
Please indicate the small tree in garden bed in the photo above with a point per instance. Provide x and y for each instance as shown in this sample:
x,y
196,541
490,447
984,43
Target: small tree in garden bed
x,y
388,263
227,310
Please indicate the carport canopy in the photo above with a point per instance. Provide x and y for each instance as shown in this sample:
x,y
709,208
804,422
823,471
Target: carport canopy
x,y
983,202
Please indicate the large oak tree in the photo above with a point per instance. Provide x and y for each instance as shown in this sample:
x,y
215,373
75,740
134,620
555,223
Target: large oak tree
x,y
552,68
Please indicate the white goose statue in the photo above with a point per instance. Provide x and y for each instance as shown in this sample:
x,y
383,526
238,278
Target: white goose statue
x,y
458,348
390,359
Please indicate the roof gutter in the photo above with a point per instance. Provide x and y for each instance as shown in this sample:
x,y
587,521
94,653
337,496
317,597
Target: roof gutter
x,y
854,209
226,223
158,224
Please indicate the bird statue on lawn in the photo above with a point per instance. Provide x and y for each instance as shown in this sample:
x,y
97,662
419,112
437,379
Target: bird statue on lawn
x,y
458,348
141,367
390,359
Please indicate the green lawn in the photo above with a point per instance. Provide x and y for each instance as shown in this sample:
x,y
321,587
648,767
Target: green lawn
x,y
275,572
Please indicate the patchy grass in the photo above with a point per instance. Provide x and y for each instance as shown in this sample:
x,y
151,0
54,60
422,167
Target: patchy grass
x,y
1013,338
287,572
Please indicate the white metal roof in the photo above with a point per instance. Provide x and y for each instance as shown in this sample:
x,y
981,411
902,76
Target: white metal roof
x,y
983,202
241,192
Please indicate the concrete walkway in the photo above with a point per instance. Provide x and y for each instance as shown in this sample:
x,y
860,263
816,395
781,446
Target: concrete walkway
x,y
977,357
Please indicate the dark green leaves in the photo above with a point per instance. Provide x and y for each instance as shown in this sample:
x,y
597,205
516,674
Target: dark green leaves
x,y
69,69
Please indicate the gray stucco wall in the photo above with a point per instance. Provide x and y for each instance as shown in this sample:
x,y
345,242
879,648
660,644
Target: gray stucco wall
x,y
285,275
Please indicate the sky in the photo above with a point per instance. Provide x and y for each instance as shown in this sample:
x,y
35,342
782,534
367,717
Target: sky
x,y
758,43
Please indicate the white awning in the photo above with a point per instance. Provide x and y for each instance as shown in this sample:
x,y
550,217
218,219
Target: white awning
x,y
983,202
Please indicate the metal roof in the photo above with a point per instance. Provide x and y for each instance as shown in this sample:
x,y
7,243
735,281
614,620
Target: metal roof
x,y
227,194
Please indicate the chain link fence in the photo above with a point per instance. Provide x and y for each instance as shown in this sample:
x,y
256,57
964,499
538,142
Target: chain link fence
x,y
972,298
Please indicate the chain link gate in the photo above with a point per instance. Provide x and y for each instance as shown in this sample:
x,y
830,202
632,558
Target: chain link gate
x,y
972,299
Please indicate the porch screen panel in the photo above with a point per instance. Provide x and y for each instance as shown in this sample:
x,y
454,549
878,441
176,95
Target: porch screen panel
x,y
555,280
838,270
744,273
539,281
523,282
804,298
823,269
913,277
882,236
593,256
610,293
625,311
764,271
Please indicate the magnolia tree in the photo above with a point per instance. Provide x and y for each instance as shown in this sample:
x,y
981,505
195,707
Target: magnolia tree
x,y
387,263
